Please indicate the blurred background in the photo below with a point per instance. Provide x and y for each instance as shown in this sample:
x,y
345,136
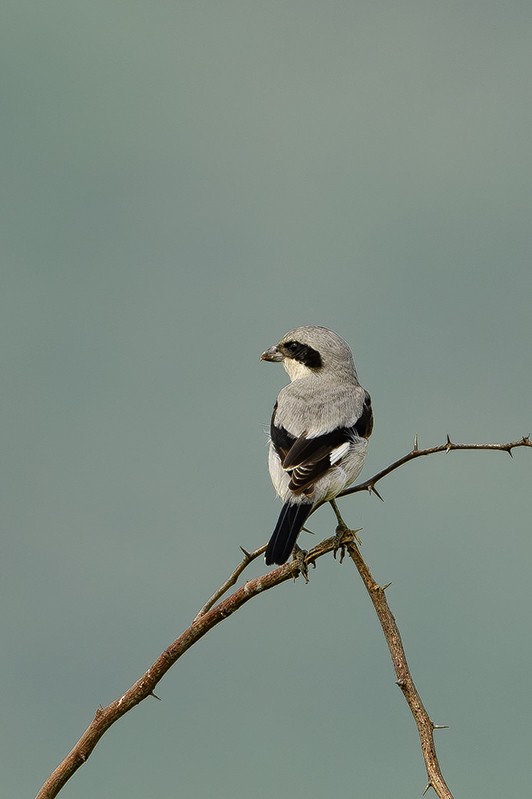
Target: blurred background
x,y
182,183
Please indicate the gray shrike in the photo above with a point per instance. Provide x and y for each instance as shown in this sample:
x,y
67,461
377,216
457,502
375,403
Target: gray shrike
x,y
319,431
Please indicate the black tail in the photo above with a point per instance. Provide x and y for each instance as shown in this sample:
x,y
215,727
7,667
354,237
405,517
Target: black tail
x,y
291,519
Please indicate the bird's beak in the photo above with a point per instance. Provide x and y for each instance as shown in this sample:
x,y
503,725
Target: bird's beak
x,y
272,354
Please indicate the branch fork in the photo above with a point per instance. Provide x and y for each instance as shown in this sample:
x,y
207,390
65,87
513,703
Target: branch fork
x,y
216,610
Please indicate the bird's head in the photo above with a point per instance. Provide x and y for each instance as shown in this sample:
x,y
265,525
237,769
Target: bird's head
x,y
311,349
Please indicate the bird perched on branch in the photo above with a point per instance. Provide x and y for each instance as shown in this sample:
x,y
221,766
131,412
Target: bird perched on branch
x,y
319,430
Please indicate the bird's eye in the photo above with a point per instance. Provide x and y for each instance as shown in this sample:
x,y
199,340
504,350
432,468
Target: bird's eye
x,y
292,346
302,353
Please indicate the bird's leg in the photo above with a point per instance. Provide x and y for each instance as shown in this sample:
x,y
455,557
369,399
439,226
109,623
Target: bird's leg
x,y
341,531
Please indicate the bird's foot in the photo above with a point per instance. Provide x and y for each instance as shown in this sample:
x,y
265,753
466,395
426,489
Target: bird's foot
x,y
299,556
343,537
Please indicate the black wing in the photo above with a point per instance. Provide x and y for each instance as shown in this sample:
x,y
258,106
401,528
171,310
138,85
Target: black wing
x,y
364,425
307,459
281,438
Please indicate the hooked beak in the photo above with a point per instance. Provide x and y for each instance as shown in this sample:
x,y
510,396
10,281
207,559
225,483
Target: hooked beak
x,y
272,354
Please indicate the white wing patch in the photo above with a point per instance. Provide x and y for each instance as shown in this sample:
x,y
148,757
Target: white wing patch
x,y
338,452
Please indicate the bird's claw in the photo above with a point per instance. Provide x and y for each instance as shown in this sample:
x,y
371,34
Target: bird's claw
x,y
342,538
299,556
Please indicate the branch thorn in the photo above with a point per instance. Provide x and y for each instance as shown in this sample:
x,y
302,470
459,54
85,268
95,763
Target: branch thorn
x,y
155,696
373,490
415,448
246,553
449,443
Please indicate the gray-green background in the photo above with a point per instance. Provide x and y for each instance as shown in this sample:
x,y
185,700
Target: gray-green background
x,y
182,182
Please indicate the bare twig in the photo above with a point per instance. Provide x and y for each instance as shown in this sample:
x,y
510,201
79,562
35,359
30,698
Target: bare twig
x,y
105,717
212,614
231,580
405,682
449,446
368,485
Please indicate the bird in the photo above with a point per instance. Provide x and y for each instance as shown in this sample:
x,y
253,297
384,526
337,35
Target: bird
x,y
319,430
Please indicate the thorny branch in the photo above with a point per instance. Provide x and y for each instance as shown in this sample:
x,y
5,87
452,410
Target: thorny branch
x,y
214,611
415,452
425,726
231,580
